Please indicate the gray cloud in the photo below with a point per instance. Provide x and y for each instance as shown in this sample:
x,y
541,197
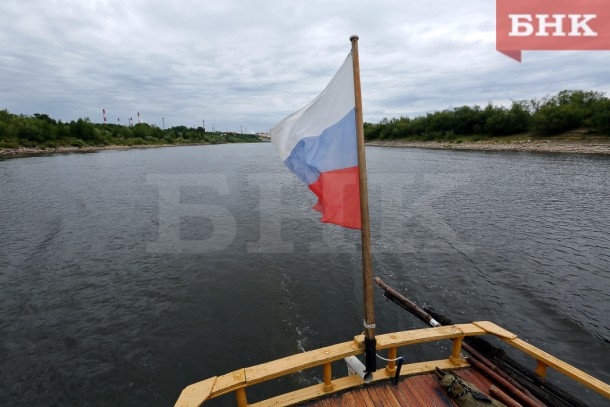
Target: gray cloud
x,y
236,63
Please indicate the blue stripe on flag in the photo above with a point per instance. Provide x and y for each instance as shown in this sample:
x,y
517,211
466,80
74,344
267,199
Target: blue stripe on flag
x,y
332,150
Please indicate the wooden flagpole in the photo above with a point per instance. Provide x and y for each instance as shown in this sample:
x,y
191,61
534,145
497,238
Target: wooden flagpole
x,y
367,265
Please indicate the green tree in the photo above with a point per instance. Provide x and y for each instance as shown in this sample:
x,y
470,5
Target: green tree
x,y
83,129
600,118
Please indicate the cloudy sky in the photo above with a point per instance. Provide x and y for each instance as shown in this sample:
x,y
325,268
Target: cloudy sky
x,y
238,63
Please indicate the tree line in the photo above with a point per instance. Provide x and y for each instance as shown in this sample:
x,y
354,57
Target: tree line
x,y
548,116
40,130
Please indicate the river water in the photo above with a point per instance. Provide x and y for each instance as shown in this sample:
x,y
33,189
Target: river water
x,y
126,275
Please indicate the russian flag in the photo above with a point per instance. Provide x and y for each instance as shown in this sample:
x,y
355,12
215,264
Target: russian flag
x,y
318,143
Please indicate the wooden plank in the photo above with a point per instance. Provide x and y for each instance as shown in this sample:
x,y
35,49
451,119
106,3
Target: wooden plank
x,y
561,366
332,402
386,395
390,396
362,397
319,403
494,329
403,388
410,390
228,382
427,367
309,393
426,391
381,395
398,394
335,401
375,398
326,403
196,393
301,361
415,336
348,400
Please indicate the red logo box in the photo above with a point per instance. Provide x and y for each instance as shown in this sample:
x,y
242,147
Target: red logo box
x,y
551,25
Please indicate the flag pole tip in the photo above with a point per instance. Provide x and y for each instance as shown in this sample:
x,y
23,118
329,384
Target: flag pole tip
x,y
353,38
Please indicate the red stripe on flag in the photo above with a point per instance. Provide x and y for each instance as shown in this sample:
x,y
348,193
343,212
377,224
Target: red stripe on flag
x,y
338,195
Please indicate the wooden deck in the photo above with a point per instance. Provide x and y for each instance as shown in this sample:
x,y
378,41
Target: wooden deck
x,y
421,390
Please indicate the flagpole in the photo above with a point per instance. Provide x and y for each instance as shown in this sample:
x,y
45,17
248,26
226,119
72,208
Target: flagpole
x,y
367,265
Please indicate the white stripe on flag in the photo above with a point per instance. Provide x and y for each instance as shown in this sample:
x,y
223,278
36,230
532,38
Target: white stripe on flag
x,y
323,112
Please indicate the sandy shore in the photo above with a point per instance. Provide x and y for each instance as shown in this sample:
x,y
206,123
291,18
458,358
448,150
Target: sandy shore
x,y
585,146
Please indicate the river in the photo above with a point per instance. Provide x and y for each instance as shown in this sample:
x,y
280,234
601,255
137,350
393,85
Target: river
x,y
126,275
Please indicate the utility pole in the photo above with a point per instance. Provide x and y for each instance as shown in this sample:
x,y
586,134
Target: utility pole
x,y
163,118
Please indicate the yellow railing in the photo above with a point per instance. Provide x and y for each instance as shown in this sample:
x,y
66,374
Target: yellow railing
x,y
237,381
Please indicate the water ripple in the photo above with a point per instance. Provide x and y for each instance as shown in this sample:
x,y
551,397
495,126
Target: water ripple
x,y
88,312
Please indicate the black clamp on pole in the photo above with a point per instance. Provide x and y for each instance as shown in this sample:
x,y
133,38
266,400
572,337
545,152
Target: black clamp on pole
x,y
399,364
370,354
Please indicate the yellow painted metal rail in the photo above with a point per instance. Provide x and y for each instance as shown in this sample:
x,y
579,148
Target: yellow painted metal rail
x,y
238,380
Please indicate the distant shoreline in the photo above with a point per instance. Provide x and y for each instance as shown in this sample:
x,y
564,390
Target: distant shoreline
x,y
549,145
33,151
584,146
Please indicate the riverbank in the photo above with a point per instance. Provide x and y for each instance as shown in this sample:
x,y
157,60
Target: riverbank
x,y
25,151
593,145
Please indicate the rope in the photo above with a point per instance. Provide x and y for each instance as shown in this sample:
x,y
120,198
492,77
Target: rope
x,y
388,360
